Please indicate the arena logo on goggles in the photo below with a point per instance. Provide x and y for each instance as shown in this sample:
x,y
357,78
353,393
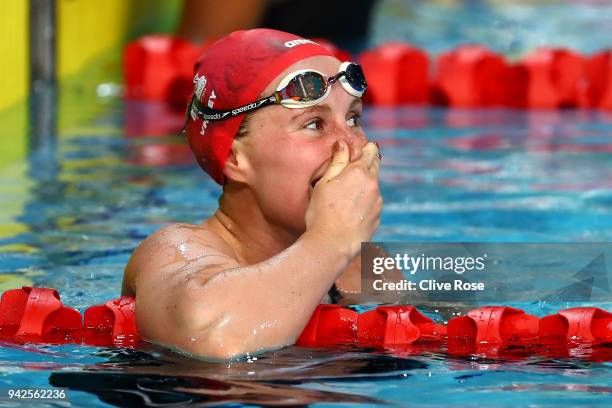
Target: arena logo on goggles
x,y
293,43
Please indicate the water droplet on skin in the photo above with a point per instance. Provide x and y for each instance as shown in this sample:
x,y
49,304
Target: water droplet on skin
x,y
188,252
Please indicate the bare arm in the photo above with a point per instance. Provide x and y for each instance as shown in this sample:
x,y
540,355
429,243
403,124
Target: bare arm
x,y
228,309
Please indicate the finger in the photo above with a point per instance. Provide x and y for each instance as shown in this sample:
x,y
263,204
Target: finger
x,y
340,160
369,154
375,167
378,157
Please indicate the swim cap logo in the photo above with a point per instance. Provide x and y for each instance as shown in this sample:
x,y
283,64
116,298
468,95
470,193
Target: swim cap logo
x,y
211,99
200,82
211,103
293,43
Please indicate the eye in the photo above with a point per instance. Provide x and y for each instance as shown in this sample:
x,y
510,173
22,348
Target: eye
x,y
354,120
314,124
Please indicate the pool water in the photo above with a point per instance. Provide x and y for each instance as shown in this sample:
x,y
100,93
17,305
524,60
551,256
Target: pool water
x,y
90,196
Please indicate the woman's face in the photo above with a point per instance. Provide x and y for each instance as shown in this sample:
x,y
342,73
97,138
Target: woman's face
x,y
288,150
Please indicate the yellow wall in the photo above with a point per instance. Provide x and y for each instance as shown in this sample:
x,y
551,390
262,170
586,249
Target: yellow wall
x,y
14,68
86,29
90,35
14,79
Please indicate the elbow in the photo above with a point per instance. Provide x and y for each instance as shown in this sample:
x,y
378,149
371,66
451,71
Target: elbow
x,y
230,341
218,332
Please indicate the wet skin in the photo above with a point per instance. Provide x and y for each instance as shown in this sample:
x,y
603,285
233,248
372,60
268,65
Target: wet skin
x,y
301,195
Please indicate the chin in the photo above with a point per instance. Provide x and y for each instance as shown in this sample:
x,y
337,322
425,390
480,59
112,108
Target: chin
x,y
296,223
289,214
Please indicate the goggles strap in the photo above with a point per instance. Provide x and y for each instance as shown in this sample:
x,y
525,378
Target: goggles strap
x,y
206,113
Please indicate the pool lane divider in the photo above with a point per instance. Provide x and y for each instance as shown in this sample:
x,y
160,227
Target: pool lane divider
x,y
37,315
160,67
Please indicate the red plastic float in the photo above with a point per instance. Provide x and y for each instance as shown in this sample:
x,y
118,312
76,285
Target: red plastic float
x,y
578,325
384,326
329,325
599,74
397,74
37,315
114,321
471,75
549,78
388,326
494,325
160,67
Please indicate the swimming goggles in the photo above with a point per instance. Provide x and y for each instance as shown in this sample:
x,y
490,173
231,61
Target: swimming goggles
x,y
300,89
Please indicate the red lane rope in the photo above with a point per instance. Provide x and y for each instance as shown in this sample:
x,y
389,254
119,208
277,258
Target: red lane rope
x,y
38,315
160,67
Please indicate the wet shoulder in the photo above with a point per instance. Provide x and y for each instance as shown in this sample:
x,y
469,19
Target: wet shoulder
x,y
174,248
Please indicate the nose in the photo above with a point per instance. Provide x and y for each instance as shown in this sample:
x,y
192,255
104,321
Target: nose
x,y
354,138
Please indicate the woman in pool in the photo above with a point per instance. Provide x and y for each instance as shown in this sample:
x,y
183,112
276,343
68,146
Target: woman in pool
x,y
274,119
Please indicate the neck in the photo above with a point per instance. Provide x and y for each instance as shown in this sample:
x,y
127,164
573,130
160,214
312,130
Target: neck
x,y
241,223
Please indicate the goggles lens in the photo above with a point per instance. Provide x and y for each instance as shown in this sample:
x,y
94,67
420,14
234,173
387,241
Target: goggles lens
x,y
310,87
305,87
355,77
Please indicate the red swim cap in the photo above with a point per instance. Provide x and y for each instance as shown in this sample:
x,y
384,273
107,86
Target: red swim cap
x,y
232,72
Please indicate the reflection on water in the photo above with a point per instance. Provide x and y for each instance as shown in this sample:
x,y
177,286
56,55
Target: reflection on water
x,y
297,376
136,378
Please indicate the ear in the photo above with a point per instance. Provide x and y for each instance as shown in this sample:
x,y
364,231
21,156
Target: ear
x,y
237,166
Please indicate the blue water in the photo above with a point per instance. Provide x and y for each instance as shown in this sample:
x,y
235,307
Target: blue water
x,y
88,199
509,27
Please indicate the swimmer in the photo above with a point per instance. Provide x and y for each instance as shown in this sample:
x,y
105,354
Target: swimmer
x,y
276,120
